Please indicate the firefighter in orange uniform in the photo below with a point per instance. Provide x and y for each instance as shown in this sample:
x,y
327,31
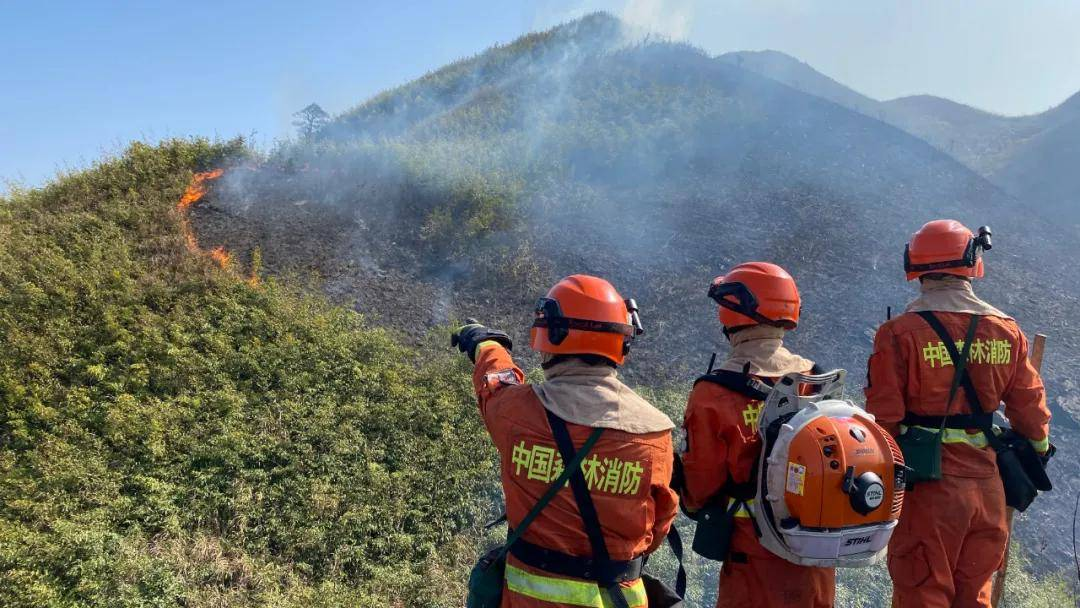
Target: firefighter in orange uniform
x,y
953,532
583,329
759,303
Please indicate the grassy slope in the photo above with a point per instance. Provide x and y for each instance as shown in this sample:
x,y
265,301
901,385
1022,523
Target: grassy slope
x,y
173,435
170,434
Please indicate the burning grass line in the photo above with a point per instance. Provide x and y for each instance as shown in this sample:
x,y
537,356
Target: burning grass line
x,y
194,193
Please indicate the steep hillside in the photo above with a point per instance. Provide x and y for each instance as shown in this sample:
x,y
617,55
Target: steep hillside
x,y
654,165
172,435
403,108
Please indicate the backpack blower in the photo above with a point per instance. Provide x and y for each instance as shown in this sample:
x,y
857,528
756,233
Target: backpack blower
x,y
830,481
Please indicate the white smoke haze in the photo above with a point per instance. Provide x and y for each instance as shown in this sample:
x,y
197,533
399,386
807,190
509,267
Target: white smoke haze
x,y
667,18
604,147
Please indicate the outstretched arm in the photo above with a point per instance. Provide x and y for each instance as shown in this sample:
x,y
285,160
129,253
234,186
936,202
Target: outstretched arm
x,y
489,350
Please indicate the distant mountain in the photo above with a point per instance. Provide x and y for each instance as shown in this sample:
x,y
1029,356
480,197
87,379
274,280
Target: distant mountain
x,y
1031,157
467,192
1043,167
979,139
799,75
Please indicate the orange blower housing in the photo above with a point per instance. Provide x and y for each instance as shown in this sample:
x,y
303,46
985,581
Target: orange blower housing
x,y
831,481
853,454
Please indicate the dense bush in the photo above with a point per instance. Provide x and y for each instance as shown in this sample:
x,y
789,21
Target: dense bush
x,y
171,434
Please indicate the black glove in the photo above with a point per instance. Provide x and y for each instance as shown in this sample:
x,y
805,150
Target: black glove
x,y
467,337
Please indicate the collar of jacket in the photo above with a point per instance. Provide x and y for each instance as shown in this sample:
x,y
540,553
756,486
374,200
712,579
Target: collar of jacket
x,y
762,347
952,295
593,395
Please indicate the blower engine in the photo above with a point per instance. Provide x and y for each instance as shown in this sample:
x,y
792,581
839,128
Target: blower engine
x,y
830,480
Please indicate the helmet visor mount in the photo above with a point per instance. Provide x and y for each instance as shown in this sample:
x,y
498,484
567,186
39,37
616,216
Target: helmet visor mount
x,y
975,247
744,303
549,315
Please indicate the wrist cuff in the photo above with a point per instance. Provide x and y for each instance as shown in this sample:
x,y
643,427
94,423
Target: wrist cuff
x,y
483,345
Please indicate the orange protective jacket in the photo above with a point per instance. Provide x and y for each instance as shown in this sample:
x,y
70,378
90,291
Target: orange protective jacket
x,y
629,476
910,371
722,445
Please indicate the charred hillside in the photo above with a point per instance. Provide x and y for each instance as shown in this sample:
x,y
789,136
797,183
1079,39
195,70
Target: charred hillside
x,y
468,192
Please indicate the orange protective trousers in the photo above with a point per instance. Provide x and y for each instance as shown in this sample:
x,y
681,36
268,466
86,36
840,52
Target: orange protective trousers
x,y
770,581
948,559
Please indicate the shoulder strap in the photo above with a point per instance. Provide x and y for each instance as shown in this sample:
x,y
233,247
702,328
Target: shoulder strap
x,y
961,378
740,382
573,463
585,506
675,541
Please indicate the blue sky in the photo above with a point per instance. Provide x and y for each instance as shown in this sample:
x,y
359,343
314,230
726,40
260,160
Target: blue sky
x,y
78,81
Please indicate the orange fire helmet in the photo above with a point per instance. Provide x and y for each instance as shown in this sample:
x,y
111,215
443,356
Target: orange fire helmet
x,y
946,247
756,293
584,315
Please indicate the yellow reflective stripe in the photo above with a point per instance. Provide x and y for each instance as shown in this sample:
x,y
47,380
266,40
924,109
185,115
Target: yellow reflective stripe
x,y
568,591
977,440
1041,445
485,344
962,436
744,509
634,594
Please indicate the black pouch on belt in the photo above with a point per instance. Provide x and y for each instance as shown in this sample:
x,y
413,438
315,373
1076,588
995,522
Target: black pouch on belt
x,y
922,454
486,580
1034,465
715,527
1019,489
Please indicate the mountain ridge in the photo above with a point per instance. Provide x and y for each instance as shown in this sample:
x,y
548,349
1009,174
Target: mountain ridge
x,y
1021,154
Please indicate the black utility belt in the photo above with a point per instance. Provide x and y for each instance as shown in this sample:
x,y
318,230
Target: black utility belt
x,y
958,421
556,562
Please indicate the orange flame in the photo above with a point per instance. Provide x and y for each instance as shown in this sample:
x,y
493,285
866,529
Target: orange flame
x,y
194,193
197,188
221,256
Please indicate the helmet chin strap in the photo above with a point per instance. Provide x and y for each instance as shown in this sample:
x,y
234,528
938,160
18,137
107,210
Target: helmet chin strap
x,y
549,360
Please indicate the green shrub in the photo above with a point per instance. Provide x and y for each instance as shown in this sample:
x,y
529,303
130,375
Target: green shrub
x,y
170,433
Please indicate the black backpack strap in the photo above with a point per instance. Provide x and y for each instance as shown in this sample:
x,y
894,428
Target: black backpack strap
x,y
573,464
740,382
587,509
984,420
675,540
